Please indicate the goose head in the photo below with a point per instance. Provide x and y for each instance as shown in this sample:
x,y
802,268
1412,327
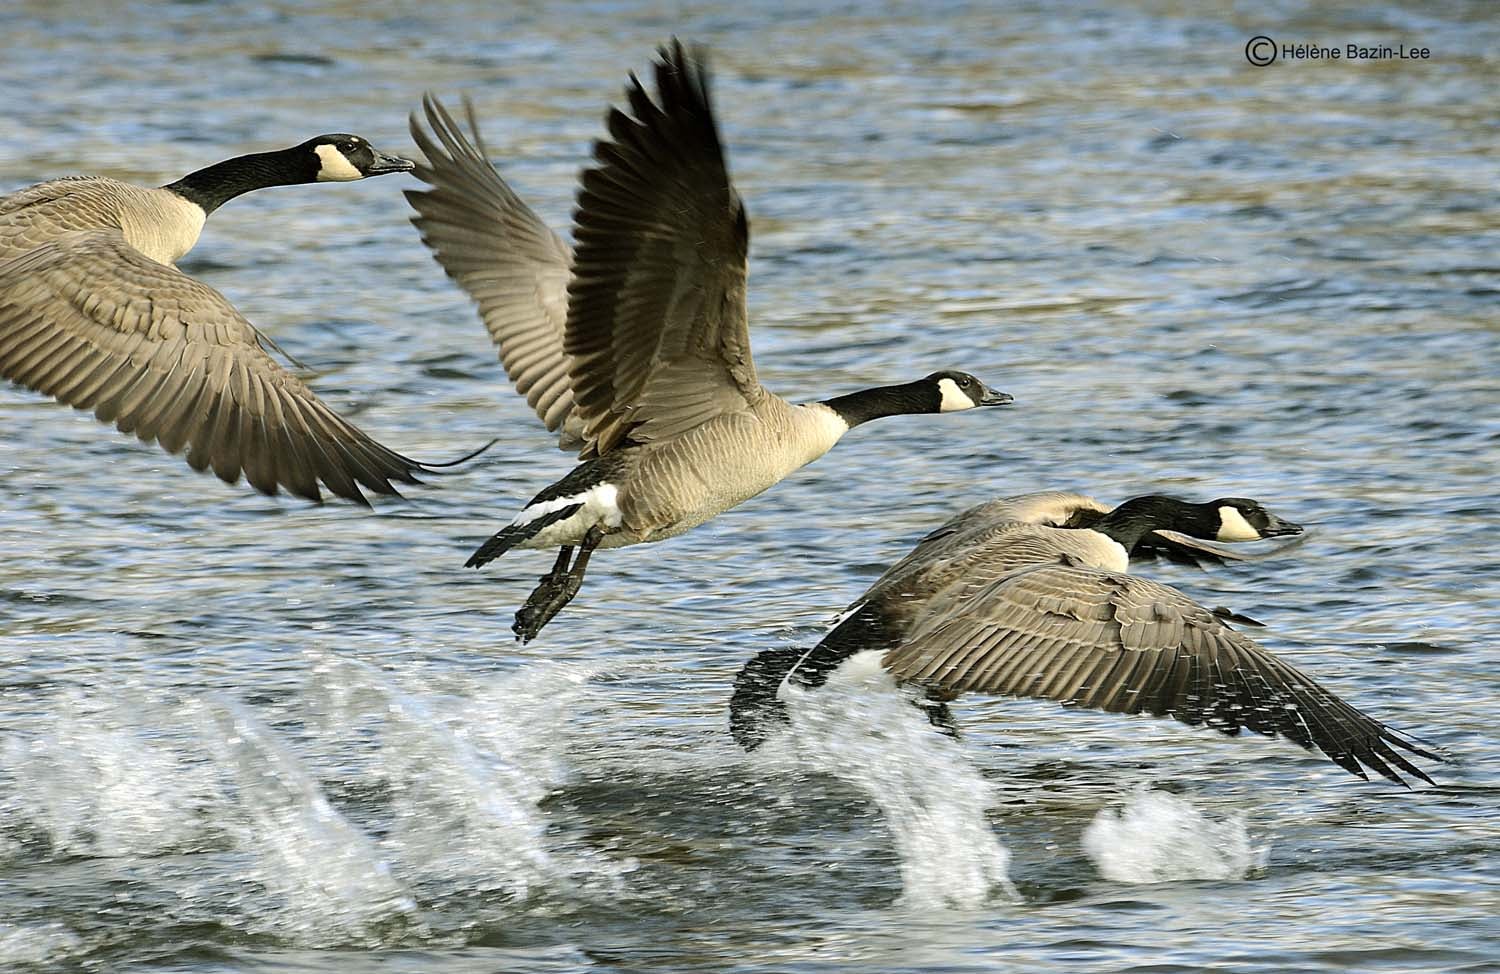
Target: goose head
x,y
1224,519
336,158
940,392
1242,519
955,391
340,157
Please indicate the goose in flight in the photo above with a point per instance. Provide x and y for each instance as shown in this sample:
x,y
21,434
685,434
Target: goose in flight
x,y
94,314
635,348
1218,541
990,604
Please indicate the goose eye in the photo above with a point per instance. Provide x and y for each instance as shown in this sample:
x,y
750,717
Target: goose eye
x,y
963,383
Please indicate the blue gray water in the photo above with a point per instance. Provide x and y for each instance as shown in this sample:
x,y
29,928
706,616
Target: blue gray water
x,y
247,734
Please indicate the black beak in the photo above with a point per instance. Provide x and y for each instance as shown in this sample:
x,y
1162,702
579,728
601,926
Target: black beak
x,y
384,164
1276,527
993,398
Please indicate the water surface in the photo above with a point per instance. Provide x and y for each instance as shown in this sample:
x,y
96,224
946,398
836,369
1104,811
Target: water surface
x,y
247,734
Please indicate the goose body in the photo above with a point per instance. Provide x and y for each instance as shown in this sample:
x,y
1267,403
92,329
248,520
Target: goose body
x,y
1006,533
635,347
1014,608
93,313
644,495
158,223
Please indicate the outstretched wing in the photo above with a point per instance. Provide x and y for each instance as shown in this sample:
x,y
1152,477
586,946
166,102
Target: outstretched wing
x,y
503,256
657,327
1125,644
90,320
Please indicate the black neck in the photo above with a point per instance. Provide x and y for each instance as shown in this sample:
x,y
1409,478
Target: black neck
x,y
211,188
867,404
1133,520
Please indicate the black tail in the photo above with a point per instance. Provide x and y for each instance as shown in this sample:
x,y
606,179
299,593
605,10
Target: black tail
x,y
755,710
513,534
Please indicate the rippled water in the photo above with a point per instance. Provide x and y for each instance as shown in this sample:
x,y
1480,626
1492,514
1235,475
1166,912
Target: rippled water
x,y
243,734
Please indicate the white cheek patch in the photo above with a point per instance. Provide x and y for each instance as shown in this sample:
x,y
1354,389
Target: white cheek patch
x,y
954,398
1234,527
333,167
600,506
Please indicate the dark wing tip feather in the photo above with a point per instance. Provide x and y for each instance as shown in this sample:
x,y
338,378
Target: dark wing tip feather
x,y
215,393
1159,652
659,272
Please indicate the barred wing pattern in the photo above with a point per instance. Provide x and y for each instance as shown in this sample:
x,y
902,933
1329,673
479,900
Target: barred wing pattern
x,y
504,257
1125,644
657,327
91,321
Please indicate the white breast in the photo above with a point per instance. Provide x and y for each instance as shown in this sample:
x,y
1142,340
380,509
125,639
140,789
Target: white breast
x,y
1099,550
162,225
821,428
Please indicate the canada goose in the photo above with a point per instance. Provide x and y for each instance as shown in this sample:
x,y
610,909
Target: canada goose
x,y
1019,609
93,313
989,539
1065,509
636,346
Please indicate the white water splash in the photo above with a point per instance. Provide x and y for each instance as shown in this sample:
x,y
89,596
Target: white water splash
x,y
108,776
326,880
1160,838
860,728
467,773
437,794
36,943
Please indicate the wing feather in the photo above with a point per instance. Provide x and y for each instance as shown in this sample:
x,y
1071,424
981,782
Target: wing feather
x,y
657,330
89,320
1126,644
510,263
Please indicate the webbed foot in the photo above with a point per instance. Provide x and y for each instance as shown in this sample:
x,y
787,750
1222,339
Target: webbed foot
x,y
556,589
546,601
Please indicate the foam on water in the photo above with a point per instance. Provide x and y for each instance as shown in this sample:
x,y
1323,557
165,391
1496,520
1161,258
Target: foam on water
x,y
467,772
36,943
106,775
324,879
1160,838
366,810
860,728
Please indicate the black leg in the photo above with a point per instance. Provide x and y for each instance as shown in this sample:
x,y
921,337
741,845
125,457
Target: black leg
x,y
590,542
557,588
559,567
